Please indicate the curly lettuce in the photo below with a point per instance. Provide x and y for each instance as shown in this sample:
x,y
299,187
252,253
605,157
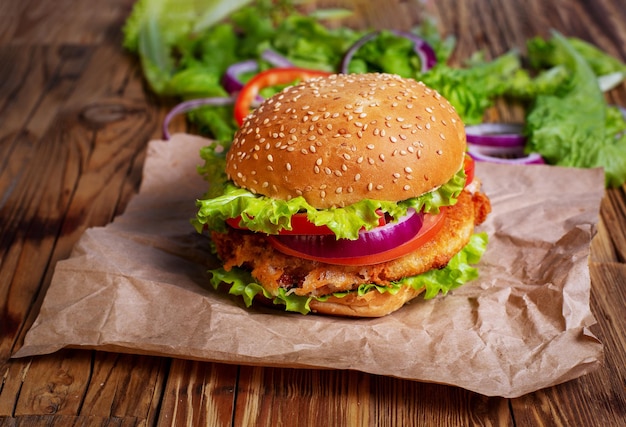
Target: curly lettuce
x,y
265,214
575,126
459,271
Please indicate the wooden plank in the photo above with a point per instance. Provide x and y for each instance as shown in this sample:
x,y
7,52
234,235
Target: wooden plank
x,y
32,22
268,397
199,393
613,213
29,231
70,421
59,387
125,386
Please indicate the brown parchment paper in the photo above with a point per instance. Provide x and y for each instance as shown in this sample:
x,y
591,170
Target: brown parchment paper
x,y
139,285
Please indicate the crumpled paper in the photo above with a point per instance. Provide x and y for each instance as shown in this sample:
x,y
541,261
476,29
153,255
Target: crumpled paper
x,y
139,285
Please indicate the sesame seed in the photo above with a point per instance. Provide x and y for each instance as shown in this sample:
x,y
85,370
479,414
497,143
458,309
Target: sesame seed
x,y
370,146
379,187
370,186
338,190
288,166
381,156
408,169
357,177
442,136
406,187
393,139
439,152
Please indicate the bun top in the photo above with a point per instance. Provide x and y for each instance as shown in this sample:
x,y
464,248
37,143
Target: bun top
x,y
339,139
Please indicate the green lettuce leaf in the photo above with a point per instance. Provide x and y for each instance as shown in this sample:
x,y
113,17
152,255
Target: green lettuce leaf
x,y
268,215
574,126
472,89
458,272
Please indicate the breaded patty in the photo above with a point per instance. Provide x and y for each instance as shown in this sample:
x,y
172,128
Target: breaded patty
x,y
273,269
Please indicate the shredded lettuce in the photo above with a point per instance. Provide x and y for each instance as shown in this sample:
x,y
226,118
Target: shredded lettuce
x,y
458,272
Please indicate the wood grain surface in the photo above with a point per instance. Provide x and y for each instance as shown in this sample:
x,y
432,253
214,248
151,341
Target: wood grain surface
x,y
75,118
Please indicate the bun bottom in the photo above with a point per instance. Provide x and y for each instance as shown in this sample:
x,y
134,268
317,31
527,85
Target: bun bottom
x,y
371,304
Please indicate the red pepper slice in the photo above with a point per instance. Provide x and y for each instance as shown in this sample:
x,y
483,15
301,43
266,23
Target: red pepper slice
x,y
267,78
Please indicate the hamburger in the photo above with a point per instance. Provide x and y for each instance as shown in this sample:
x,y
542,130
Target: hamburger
x,y
348,195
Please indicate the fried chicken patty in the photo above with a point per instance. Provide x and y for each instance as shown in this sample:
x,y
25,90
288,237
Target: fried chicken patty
x,y
273,269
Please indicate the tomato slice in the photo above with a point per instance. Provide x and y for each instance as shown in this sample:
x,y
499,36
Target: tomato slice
x,y
300,225
469,166
431,226
267,78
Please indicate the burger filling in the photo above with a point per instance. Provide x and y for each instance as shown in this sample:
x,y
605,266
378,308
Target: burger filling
x,y
250,256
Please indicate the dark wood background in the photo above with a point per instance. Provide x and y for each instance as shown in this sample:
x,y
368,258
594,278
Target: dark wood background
x,y
75,118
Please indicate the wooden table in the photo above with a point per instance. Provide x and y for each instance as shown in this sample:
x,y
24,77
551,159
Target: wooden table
x,y
74,122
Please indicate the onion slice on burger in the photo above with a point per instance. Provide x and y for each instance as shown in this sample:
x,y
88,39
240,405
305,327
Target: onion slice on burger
x,y
378,245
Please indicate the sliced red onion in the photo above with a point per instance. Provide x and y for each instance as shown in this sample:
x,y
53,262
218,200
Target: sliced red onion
x,y
496,134
503,155
378,240
191,105
426,53
231,81
276,59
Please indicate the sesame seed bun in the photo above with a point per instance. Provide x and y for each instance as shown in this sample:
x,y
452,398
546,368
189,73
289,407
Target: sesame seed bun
x,y
337,140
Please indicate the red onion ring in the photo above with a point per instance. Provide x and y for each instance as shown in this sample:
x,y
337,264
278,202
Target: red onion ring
x,y
422,49
503,155
496,134
377,240
191,105
276,59
231,81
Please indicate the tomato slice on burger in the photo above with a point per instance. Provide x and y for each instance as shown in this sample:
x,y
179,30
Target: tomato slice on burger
x,y
267,78
469,166
300,225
